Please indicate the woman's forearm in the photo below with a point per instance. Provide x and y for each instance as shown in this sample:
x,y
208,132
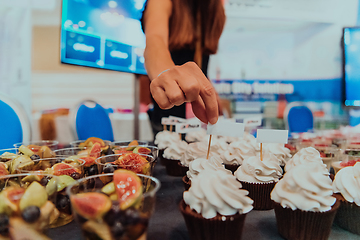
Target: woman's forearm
x,y
157,56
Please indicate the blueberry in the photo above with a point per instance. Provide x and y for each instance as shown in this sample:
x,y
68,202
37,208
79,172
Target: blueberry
x,y
4,224
31,214
117,230
92,170
45,180
62,201
108,168
75,175
35,157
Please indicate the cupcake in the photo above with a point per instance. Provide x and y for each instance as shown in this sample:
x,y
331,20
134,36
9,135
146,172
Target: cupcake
x,y
163,139
196,136
171,158
236,153
281,152
304,204
304,156
200,164
346,187
215,206
199,150
259,178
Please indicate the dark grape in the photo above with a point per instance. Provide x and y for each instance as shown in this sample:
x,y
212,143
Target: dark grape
x,y
92,170
75,175
45,180
31,214
62,201
109,151
90,183
58,160
4,224
117,230
109,168
112,215
35,157
132,216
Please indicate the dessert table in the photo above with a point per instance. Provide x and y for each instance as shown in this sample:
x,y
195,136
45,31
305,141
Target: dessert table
x,y
167,222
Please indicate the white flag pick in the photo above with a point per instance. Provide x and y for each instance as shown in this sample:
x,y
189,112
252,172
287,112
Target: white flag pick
x,y
271,136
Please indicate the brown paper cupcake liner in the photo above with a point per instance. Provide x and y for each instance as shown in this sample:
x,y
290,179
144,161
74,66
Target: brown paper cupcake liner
x,y
187,182
174,168
348,215
218,228
304,225
260,193
162,160
231,167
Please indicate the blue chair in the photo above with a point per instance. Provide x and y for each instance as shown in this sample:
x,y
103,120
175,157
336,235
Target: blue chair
x,y
298,118
92,120
14,122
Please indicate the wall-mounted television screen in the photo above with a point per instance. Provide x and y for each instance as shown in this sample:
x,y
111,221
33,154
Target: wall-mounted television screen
x,y
103,34
351,66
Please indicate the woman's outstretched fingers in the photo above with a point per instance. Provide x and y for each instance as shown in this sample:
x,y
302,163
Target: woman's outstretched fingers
x,y
198,108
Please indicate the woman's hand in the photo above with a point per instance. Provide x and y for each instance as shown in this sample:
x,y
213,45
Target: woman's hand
x,y
186,83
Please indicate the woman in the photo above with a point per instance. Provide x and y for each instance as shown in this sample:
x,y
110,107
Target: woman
x,y
180,35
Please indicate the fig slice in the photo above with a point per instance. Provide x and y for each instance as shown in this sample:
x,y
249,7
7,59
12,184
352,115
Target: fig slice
x,y
3,169
95,150
64,169
9,199
91,205
132,145
92,140
133,162
142,150
128,187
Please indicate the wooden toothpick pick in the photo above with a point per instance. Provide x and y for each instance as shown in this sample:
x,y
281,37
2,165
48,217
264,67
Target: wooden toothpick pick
x,y
208,152
261,155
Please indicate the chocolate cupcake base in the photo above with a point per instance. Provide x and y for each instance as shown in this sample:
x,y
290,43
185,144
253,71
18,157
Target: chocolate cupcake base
x,y
304,225
217,228
187,182
260,193
348,215
174,168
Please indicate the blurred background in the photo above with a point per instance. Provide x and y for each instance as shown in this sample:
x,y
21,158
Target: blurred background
x,y
56,53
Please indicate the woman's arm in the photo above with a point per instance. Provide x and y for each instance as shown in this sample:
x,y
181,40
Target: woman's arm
x,y
178,84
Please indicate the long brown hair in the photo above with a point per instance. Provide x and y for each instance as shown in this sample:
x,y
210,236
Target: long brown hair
x,y
184,19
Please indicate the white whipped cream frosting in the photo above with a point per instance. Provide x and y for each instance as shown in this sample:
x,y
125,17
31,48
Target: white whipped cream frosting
x,y
253,170
214,192
237,152
304,156
347,182
279,150
307,187
195,136
175,150
199,150
200,164
165,138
